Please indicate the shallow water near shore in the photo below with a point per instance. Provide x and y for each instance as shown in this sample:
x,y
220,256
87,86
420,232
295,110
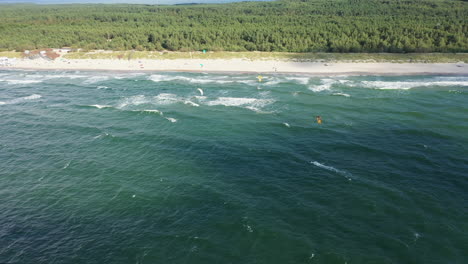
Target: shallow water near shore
x,y
103,167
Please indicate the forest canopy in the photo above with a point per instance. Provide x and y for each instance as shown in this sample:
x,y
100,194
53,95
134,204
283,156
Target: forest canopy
x,y
396,26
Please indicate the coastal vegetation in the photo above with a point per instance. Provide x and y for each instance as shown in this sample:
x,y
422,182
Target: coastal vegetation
x,y
298,26
281,56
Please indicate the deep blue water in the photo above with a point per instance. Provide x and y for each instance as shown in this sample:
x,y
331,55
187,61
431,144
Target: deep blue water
x,y
109,167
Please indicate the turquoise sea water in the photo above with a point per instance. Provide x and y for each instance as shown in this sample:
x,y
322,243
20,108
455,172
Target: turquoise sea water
x,y
103,167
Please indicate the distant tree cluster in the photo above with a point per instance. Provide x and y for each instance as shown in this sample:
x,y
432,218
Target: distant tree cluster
x,y
395,26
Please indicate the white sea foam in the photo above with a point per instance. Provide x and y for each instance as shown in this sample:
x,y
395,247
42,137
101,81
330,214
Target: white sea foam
x,y
201,80
133,100
342,94
23,81
173,120
21,99
101,106
253,104
160,99
330,168
272,81
286,124
152,111
130,75
326,85
404,85
61,76
191,103
300,80
102,87
104,134
166,98
95,79
161,78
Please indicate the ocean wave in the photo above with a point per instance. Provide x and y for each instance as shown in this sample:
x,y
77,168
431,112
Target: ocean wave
x,y
191,103
342,94
165,99
326,84
160,99
330,168
153,111
21,99
22,81
253,104
403,85
172,120
60,76
101,106
104,134
300,80
133,100
129,75
95,79
202,80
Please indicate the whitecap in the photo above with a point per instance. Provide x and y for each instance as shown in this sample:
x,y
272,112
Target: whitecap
x,y
202,80
330,168
22,99
133,100
342,94
300,80
101,106
151,111
236,101
23,81
326,85
286,124
191,103
173,120
60,76
130,75
95,79
405,85
165,98
105,134
102,87
161,78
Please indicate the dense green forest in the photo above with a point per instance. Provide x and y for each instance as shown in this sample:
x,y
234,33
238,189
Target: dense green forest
x,y
286,25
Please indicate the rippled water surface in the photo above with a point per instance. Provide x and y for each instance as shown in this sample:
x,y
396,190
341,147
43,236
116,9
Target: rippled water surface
x,y
206,168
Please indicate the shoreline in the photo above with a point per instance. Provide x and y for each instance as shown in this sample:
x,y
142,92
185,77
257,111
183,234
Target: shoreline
x,y
242,67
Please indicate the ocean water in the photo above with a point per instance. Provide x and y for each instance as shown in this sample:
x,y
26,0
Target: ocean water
x,y
105,167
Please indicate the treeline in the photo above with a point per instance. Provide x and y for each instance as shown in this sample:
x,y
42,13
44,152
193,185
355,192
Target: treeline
x,y
395,26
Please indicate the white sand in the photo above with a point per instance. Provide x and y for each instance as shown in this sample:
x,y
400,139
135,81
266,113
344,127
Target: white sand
x,y
241,65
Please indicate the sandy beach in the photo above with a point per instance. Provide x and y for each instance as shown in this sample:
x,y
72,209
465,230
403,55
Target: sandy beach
x,y
242,65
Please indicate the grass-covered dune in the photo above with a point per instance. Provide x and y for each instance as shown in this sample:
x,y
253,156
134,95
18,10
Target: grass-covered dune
x,y
280,26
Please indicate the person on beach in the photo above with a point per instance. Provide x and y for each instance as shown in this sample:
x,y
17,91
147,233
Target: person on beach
x,y
319,119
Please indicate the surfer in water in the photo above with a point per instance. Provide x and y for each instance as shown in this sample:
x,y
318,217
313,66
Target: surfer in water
x,y
319,119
